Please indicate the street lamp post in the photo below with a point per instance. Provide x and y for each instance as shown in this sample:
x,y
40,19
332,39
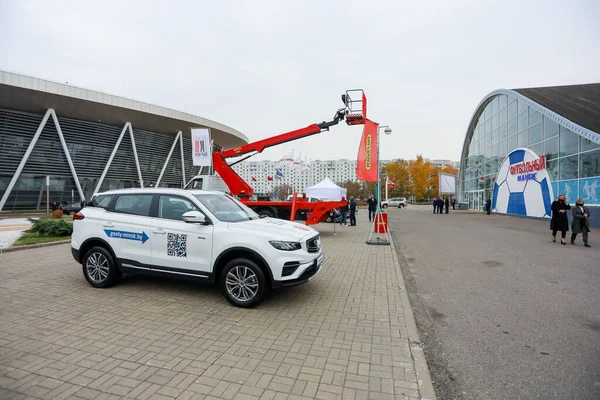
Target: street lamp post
x,y
387,131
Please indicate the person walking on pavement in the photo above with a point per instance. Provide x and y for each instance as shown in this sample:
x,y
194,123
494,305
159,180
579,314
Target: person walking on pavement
x,y
352,211
343,213
435,205
453,203
560,221
440,207
581,222
447,204
488,206
372,204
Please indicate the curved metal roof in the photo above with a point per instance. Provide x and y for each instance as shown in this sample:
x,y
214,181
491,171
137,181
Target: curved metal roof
x,y
577,103
25,93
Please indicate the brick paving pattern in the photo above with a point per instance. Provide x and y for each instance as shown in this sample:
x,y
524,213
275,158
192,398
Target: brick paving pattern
x,y
341,336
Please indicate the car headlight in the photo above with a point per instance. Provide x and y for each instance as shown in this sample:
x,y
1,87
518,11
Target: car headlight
x,y
285,246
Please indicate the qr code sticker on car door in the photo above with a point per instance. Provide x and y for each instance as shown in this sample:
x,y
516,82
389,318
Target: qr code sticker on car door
x,y
176,245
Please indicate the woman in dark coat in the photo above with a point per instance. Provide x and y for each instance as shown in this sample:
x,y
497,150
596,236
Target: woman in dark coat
x,y
560,221
581,223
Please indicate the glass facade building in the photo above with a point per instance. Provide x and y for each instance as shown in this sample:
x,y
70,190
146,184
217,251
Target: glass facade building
x,y
507,120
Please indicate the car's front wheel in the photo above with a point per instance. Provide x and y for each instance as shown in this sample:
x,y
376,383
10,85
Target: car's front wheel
x,y
99,268
243,283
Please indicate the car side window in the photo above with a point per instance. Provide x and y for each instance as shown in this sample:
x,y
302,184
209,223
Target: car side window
x,y
136,204
173,207
100,201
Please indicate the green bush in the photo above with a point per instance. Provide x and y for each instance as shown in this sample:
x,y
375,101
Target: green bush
x,y
51,227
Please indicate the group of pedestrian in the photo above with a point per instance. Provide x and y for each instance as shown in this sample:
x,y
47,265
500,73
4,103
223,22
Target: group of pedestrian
x,y
440,204
560,220
348,207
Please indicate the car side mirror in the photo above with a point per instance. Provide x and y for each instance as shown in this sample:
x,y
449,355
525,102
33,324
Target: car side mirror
x,y
194,217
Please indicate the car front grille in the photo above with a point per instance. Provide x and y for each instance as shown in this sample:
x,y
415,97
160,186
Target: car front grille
x,y
313,245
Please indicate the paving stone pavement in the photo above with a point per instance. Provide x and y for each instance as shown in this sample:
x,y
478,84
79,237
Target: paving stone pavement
x,y
341,336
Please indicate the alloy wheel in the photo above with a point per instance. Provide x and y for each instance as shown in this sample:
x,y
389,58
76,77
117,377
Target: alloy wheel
x,y
97,267
241,283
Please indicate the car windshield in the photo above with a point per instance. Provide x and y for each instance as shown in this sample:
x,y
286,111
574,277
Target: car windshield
x,y
225,208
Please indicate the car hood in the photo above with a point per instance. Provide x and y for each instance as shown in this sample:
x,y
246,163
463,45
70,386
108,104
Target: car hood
x,y
274,229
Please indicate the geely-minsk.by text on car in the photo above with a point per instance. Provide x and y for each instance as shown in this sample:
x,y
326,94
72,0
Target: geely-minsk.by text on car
x,y
192,234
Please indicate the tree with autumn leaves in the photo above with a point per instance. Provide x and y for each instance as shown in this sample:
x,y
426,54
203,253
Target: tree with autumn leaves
x,y
418,178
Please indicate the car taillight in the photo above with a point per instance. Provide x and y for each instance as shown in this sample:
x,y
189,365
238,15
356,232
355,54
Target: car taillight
x,y
78,216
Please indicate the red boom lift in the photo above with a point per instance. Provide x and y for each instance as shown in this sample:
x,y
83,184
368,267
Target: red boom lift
x,y
354,112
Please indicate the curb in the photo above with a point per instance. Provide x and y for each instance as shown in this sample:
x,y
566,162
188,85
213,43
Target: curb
x,y
423,376
33,246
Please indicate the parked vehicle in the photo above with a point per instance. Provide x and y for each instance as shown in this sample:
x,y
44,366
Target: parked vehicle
x,y
399,202
192,234
72,209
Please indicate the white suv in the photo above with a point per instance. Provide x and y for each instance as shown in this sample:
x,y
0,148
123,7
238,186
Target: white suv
x,y
192,233
399,202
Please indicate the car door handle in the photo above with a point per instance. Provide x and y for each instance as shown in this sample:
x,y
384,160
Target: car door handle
x,y
159,232
109,225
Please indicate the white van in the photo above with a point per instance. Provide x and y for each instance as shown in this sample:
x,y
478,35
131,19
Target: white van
x,y
207,182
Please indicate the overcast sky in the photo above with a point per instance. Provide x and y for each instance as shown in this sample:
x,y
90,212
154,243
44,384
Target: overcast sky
x,y
268,67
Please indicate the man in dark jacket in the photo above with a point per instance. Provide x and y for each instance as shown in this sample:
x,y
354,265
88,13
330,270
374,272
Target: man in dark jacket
x,y
581,222
447,204
372,203
352,211
343,213
435,205
488,206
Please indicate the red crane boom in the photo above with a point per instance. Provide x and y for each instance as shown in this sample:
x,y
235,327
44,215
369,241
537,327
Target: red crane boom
x,y
236,184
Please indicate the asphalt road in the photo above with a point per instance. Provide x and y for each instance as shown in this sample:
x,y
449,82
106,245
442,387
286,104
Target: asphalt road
x,y
502,311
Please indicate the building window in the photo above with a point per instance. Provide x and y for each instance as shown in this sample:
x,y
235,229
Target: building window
x,y
568,167
512,127
550,128
512,110
587,144
536,148
535,133
523,121
569,142
552,168
589,164
522,106
512,143
551,148
523,138
503,131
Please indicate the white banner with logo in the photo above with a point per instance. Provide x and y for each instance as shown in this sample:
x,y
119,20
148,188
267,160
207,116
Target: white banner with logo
x,y
201,147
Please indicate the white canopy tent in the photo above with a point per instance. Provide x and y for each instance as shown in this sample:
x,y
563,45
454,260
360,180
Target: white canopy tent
x,y
326,189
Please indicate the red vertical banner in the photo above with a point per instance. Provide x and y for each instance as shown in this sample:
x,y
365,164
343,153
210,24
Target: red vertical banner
x,y
366,165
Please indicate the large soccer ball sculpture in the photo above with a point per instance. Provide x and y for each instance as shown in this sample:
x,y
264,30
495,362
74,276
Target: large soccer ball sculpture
x,y
525,188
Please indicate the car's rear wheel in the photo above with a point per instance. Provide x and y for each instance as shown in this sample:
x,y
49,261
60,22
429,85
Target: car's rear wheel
x,y
72,212
400,205
99,268
243,282
385,206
